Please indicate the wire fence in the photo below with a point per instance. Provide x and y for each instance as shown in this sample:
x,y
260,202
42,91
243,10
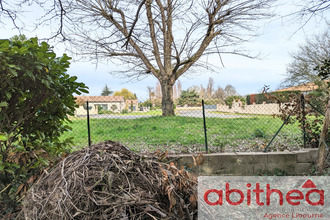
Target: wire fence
x,y
205,125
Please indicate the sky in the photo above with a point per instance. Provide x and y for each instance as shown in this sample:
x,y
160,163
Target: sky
x,y
279,38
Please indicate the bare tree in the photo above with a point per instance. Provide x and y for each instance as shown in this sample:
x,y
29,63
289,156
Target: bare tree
x,y
202,92
230,90
158,91
55,14
163,38
196,89
175,92
308,9
150,92
179,88
308,56
209,89
8,11
219,93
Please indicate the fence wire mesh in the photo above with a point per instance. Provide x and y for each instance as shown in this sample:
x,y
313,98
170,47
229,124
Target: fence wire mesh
x,y
238,127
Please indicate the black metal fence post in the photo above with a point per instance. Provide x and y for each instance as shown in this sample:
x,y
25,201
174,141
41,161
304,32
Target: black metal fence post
x,y
287,119
316,109
88,126
304,117
205,133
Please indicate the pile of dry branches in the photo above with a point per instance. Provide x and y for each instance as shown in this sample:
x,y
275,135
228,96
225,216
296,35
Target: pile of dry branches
x,y
108,181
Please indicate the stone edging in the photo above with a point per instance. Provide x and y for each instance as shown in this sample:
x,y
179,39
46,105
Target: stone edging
x,y
250,164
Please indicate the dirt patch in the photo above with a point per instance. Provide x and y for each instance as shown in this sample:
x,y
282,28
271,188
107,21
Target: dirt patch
x,y
108,181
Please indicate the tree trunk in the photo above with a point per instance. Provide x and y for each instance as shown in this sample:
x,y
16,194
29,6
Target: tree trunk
x,y
167,98
323,138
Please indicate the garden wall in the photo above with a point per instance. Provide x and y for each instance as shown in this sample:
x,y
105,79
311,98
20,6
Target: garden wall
x,y
250,164
267,109
186,108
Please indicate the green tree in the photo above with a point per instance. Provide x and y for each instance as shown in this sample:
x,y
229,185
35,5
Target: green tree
x,y
36,100
126,93
189,97
229,101
106,91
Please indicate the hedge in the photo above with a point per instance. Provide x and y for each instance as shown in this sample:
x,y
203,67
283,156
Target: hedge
x,y
260,98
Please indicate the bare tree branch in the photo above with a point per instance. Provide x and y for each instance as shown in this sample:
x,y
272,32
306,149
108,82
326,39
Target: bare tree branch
x,y
165,38
134,23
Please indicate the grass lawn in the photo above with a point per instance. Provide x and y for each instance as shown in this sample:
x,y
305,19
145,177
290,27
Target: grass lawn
x,y
184,134
152,112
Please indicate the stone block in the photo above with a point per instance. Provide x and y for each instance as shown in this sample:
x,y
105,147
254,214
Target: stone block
x,y
314,153
239,170
260,159
281,158
302,168
304,157
289,168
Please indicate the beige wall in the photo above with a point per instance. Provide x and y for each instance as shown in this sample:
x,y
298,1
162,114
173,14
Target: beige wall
x,y
268,109
81,110
186,108
120,105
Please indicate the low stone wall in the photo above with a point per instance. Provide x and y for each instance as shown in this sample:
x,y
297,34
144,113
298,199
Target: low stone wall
x,y
250,164
188,108
267,109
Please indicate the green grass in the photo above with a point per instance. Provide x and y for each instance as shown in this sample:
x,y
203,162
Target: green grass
x,y
152,112
185,133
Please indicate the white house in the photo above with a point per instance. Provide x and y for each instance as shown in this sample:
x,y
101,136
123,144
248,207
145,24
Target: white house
x,y
107,103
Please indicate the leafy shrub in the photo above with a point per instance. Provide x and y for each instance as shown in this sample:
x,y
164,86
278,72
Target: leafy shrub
x,y
36,99
229,101
190,98
220,142
124,111
102,111
259,133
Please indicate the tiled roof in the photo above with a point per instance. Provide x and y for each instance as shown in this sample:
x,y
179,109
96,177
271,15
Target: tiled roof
x,y
135,101
303,88
101,98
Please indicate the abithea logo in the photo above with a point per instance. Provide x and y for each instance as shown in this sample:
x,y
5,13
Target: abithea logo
x,y
263,197
293,197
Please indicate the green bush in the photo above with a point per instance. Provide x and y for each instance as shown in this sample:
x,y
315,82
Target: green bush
x,y
229,101
102,111
189,98
124,111
259,133
36,99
